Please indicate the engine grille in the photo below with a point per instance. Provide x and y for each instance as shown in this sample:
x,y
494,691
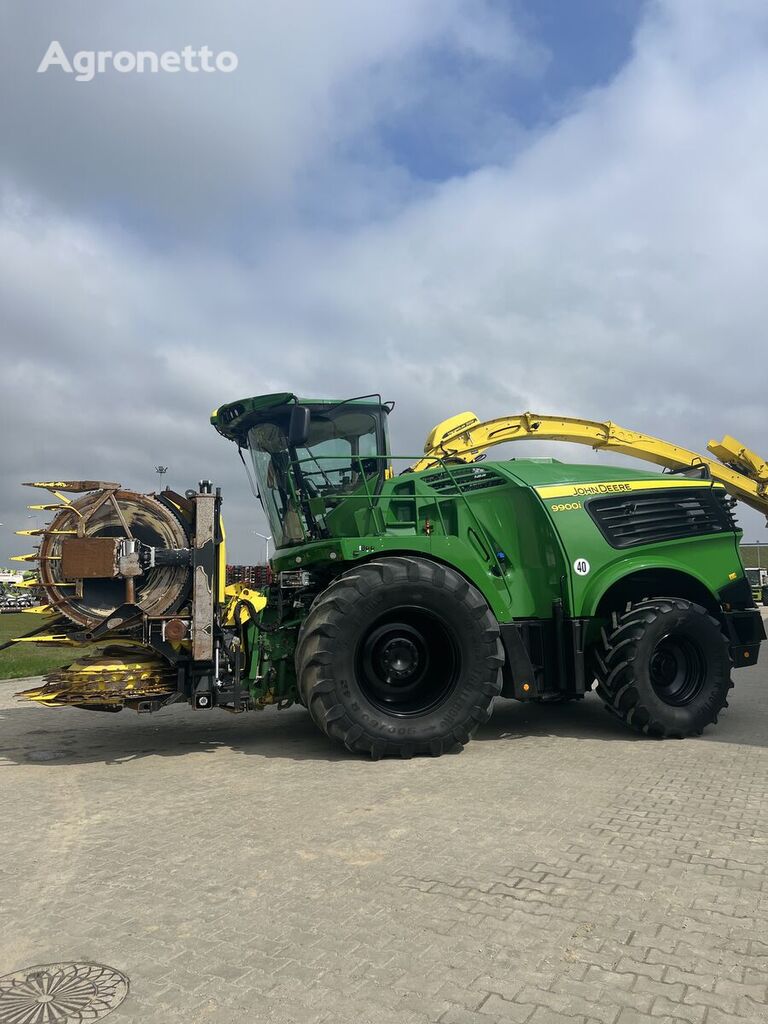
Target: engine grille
x,y
464,478
662,515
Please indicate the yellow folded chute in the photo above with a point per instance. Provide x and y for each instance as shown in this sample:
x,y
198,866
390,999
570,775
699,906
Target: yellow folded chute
x,y
464,437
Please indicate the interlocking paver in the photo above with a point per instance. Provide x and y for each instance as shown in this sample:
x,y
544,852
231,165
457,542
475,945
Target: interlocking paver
x,y
561,871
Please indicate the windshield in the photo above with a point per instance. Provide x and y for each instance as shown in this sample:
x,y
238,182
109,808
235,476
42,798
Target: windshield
x,y
753,575
299,486
268,445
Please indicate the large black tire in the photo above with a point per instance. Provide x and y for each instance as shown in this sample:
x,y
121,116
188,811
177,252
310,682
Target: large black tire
x,y
664,667
398,657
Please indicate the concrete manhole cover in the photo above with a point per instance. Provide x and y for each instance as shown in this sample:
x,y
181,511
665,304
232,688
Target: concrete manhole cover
x,y
61,994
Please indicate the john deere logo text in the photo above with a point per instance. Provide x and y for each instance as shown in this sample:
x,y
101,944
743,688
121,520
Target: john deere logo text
x,y
615,487
587,489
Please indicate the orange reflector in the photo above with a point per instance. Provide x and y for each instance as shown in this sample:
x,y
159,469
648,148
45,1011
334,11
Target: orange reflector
x,y
526,687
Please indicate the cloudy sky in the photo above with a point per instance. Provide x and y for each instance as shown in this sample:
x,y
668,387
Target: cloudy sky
x,y
496,205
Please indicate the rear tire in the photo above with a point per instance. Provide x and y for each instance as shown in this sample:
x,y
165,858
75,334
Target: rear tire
x,y
398,657
664,668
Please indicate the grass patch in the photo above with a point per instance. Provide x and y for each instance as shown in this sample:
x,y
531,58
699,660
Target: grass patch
x,y
22,660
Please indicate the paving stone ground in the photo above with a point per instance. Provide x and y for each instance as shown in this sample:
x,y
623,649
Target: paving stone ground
x,y
560,871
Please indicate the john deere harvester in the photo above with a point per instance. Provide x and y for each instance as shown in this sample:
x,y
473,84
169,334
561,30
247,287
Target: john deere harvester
x,y
398,608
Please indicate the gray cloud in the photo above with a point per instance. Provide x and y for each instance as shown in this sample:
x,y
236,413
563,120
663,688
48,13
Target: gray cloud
x,y
209,154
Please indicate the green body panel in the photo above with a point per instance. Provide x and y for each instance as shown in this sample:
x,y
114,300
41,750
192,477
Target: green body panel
x,y
712,560
508,540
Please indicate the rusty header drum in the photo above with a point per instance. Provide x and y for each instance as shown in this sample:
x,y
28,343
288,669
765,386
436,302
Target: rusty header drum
x,y
110,547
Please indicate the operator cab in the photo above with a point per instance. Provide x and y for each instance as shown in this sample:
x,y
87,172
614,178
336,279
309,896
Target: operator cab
x,y
308,456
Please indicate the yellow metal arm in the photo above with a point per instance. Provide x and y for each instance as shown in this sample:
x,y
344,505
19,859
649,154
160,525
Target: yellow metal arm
x,y
464,437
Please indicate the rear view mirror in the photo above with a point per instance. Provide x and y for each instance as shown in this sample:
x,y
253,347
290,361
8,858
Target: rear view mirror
x,y
298,427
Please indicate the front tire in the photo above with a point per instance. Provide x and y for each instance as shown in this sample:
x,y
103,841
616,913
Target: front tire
x,y
398,657
664,668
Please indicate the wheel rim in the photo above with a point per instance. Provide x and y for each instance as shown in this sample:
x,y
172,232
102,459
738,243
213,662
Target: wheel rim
x,y
678,670
408,662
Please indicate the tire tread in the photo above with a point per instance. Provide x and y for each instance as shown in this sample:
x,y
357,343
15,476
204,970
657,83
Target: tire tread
x,y
617,685
322,624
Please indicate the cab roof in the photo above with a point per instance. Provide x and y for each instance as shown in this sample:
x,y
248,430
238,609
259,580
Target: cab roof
x,y
234,419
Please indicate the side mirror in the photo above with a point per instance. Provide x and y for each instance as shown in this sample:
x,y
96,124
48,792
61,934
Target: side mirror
x,y
298,426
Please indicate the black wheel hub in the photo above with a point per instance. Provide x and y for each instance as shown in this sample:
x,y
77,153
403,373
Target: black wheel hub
x,y
678,670
407,662
400,658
